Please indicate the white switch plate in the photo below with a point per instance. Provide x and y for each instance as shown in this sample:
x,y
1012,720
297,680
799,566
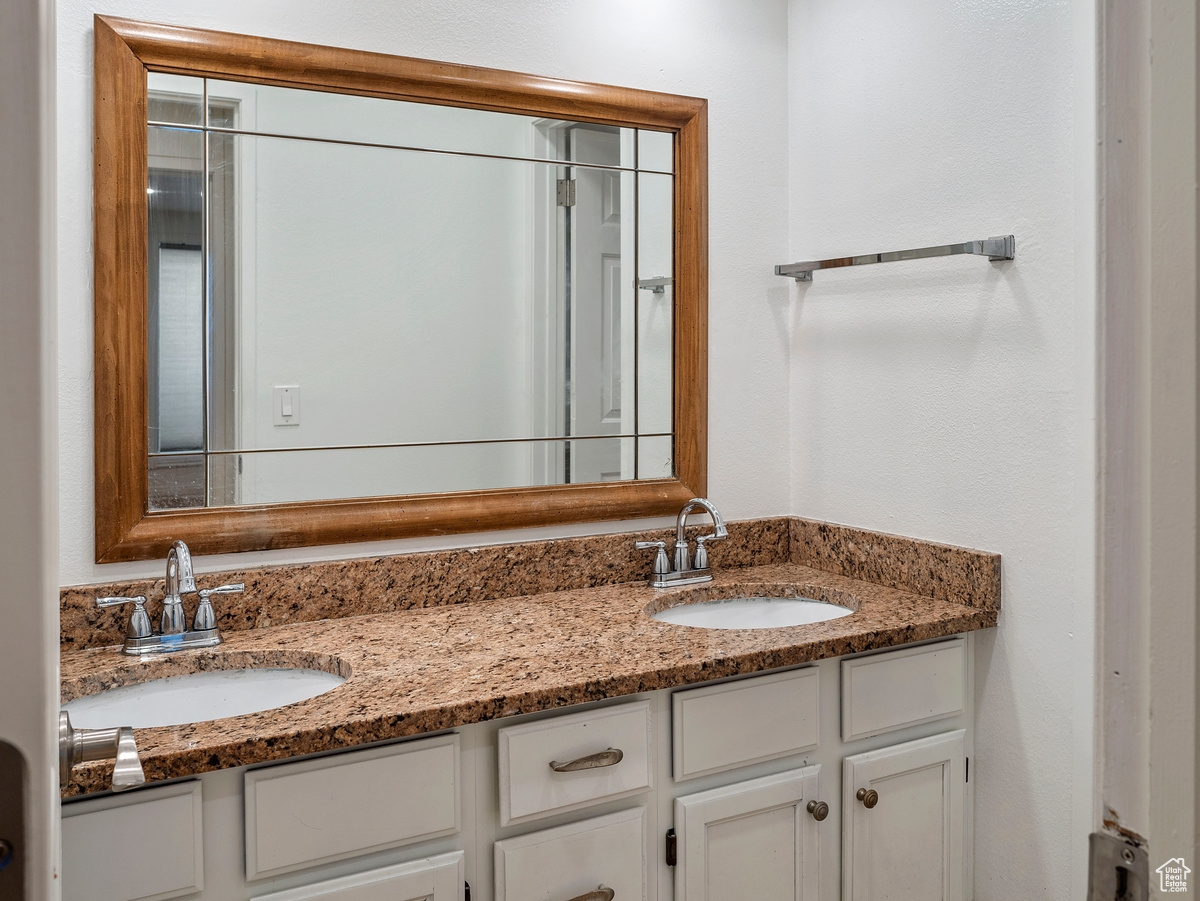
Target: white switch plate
x,y
286,397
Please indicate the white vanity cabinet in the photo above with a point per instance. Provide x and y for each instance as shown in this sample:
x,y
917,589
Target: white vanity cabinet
x,y
894,722
904,821
753,839
755,779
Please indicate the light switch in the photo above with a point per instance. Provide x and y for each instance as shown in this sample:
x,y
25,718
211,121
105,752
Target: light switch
x,y
286,399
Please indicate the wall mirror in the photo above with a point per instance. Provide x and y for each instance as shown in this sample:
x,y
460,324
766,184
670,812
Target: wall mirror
x,y
345,296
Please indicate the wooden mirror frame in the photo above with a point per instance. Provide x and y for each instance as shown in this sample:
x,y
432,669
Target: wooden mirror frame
x,y
126,529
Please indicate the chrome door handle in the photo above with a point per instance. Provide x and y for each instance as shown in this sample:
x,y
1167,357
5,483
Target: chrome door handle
x,y
601,894
611,757
76,746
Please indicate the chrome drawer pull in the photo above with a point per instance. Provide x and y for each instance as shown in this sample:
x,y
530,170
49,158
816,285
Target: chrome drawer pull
x,y
600,894
611,757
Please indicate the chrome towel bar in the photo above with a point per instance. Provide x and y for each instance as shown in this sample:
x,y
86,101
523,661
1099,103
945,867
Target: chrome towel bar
x,y
995,249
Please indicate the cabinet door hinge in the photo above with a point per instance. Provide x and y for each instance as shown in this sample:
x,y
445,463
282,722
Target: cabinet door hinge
x,y
968,779
566,192
671,848
467,896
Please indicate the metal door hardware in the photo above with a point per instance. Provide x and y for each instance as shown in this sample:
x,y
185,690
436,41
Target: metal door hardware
x,y
566,192
611,757
1003,247
868,796
76,746
13,776
672,848
1117,869
818,809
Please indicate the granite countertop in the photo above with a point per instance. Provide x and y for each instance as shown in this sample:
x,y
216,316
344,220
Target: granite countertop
x,y
426,669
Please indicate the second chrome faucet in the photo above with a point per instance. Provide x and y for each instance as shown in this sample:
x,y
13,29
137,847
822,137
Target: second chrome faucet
x,y
685,569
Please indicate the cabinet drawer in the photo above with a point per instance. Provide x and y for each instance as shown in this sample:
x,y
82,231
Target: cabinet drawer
x,y
889,691
573,860
530,787
142,846
720,727
314,811
437,878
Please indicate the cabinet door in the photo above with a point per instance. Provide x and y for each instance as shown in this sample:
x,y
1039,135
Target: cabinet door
x,y
144,845
431,879
753,839
909,843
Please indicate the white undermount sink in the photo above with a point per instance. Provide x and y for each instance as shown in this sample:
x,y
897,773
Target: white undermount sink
x,y
196,697
752,613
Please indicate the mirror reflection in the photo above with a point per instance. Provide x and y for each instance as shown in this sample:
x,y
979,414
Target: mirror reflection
x,y
351,297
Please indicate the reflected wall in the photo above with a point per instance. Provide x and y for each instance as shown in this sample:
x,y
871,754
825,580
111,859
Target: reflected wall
x,y
351,296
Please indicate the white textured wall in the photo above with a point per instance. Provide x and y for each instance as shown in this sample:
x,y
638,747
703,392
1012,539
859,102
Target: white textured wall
x,y
357,310
947,399
953,399
734,54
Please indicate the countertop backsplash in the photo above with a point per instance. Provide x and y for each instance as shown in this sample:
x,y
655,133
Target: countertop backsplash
x,y
308,592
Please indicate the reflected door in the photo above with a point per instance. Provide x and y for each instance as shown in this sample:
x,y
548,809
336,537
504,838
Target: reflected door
x,y
595,289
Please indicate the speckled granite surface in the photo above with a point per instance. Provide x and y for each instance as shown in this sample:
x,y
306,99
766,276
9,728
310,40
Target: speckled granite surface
x,y
564,622
421,670
307,592
940,571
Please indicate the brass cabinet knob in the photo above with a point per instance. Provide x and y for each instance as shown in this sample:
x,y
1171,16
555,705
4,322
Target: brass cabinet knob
x,y
868,796
818,809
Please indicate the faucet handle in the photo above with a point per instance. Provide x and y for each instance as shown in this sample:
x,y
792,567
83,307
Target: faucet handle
x,y
205,617
701,561
661,564
231,588
139,620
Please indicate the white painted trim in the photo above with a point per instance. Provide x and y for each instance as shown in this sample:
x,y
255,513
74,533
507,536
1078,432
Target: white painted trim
x,y
28,426
1081,641
1146,699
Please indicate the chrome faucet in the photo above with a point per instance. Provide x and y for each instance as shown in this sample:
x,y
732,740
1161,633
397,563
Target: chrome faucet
x,y
179,580
140,637
687,570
